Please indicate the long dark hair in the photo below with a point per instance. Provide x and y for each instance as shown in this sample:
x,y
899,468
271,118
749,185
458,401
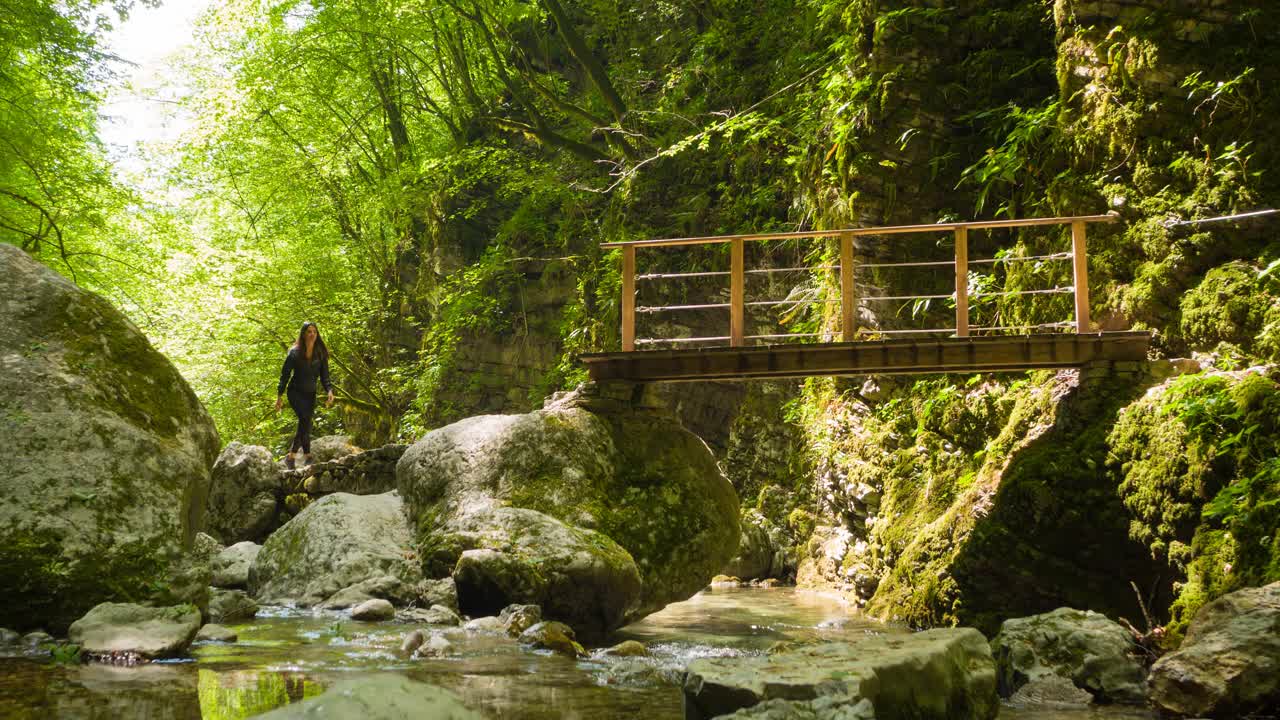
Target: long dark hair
x,y
320,351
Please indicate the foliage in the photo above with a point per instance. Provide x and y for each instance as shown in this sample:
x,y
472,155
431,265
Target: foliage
x,y
1199,472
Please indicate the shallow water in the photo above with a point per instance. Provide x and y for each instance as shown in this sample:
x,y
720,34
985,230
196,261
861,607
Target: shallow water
x,y
284,656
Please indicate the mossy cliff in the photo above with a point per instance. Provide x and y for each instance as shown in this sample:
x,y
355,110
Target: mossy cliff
x,y
108,455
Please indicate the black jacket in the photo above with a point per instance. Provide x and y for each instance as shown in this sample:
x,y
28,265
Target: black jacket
x,y
304,374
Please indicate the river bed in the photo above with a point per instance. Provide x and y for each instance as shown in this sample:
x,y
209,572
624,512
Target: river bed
x,y
286,655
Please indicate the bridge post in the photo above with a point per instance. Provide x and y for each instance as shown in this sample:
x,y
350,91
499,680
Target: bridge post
x,y
848,295
737,293
962,282
628,298
1080,266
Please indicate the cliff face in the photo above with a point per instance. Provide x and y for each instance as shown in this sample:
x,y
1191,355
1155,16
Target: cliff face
x,y
949,499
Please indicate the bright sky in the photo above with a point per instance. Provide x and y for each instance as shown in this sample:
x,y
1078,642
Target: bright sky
x,y
140,108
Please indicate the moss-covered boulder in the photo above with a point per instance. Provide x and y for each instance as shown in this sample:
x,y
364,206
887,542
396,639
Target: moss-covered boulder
x,y
1027,522
936,674
244,494
624,485
337,542
1085,648
763,550
1232,305
107,455
1229,664
378,697
113,631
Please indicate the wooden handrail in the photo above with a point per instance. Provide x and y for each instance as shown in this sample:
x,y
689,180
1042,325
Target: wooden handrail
x,y
884,230
848,292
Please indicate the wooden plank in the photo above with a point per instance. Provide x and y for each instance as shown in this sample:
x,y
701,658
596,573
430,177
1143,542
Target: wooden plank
x,y
962,282
737,293
884,230
959,355
848,293
628,299
1080,265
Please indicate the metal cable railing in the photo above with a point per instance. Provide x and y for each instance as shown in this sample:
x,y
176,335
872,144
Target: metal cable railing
x,y
848,299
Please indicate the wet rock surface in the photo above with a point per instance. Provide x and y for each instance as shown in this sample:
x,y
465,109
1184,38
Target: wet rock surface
x,y
947,673
624,507
1093,652
338,541
122,629
1229,662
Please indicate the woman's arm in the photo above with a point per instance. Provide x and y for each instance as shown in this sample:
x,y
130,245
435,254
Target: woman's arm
x,y
285,372
324,379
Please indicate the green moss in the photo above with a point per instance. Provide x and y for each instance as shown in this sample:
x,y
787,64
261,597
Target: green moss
x,y
1228,306
46,588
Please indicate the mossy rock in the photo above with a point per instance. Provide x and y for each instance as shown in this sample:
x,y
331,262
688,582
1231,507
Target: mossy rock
x,y
1229,306
629,480
108,455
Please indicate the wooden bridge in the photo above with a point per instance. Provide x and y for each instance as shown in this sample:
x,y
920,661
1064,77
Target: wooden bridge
x,y
855,350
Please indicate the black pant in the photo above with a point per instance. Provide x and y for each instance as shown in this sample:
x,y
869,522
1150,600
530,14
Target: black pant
x,y
304,406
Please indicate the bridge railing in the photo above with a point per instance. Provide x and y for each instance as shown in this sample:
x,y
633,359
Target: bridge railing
x,y
847,268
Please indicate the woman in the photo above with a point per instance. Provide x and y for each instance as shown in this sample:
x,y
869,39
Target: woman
x,y
307,360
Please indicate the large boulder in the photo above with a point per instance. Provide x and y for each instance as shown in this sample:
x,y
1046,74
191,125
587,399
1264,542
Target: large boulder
x,y
931,675
378,697
615,486
1093,652
107,454
126,631
1229,662
338,541
244,494
231,566
523,556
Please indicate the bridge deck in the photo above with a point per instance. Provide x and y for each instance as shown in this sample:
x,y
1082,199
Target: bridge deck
x,y
882,357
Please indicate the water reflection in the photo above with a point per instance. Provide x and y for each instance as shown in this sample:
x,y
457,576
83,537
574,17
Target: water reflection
x,y
284,656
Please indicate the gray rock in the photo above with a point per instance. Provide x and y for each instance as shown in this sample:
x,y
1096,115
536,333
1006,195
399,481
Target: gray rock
x,y
488,625
412,642
332,447
206,547
145,632
1229,662
98,426
627,648
336,542
9,637
581,575
245,494
935,674
518,618
1085,647
823,708
231,606
435,615
216,633
1051,691
386,587
564,506
554,636
36,639
373,610
436,646
439,592
231,566
378,697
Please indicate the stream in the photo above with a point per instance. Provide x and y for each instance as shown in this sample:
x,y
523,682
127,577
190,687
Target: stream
x,y
286,655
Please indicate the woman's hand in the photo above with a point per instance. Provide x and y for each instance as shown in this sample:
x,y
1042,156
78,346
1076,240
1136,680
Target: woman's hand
x,y
279,401
329,402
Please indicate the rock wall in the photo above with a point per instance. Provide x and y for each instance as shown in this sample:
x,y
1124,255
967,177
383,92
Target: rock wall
x,y
252,495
